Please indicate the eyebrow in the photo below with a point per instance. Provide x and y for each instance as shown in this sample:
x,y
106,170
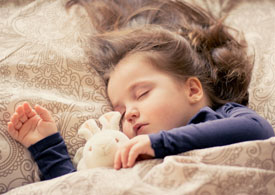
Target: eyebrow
x,y
137,84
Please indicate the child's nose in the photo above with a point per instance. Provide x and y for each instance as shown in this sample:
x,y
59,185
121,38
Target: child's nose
x,y
132,115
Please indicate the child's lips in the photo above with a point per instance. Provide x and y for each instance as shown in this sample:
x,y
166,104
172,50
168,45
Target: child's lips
x,y
139,128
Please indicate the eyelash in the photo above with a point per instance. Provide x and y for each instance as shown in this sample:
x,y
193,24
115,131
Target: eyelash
x,y
141,95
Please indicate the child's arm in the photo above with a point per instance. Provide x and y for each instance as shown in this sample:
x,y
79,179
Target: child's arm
x,y
232,123
52,157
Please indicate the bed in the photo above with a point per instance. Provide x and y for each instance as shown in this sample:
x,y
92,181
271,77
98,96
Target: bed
x,y
42,61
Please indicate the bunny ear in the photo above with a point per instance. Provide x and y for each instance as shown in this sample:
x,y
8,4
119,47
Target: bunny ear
x,y
110,120
88,129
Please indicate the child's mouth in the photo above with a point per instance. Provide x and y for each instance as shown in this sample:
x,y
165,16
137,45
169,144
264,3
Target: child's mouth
x,y
139,128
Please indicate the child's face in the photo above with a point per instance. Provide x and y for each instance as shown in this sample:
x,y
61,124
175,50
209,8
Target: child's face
x,y
150,100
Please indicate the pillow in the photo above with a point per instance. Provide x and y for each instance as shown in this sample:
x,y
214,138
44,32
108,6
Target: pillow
x,y
42,61
256,20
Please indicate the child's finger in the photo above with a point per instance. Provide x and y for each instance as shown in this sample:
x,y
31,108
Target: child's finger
x,y
21,114
117,161
12,131
43,113
124,156
29,112
15,120
133,154
18,108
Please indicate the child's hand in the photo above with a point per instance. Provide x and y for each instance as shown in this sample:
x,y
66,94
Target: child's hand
x,y
29,126
127,154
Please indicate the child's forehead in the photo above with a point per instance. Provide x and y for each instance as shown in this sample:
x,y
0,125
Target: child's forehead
x,y
134,63
139,55
131,64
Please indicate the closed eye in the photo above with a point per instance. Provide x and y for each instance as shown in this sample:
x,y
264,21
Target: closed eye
x,y
142,94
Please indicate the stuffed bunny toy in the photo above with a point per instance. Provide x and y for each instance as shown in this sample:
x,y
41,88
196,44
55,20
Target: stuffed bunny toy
x,y
101,145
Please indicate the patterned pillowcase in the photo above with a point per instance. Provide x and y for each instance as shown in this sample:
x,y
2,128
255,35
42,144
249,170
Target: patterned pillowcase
x,y
42,62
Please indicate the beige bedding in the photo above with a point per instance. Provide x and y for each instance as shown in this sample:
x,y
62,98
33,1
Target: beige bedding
x,y
42,61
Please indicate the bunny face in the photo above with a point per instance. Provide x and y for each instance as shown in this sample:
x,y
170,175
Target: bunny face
x,y
99,151
101,145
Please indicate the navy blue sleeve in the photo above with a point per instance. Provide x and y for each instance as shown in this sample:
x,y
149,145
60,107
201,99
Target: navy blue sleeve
x,y
230,125
52,157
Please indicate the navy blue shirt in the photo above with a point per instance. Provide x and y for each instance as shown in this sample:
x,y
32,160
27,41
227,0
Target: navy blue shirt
x,y
51,156
231,123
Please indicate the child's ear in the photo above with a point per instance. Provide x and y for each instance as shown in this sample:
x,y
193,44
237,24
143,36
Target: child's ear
x,y
194,89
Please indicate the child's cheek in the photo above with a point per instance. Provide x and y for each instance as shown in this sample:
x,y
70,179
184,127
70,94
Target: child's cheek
x,y
127,130
155,108
161,112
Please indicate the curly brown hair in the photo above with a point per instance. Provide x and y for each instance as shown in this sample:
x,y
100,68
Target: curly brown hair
x,y
181,39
